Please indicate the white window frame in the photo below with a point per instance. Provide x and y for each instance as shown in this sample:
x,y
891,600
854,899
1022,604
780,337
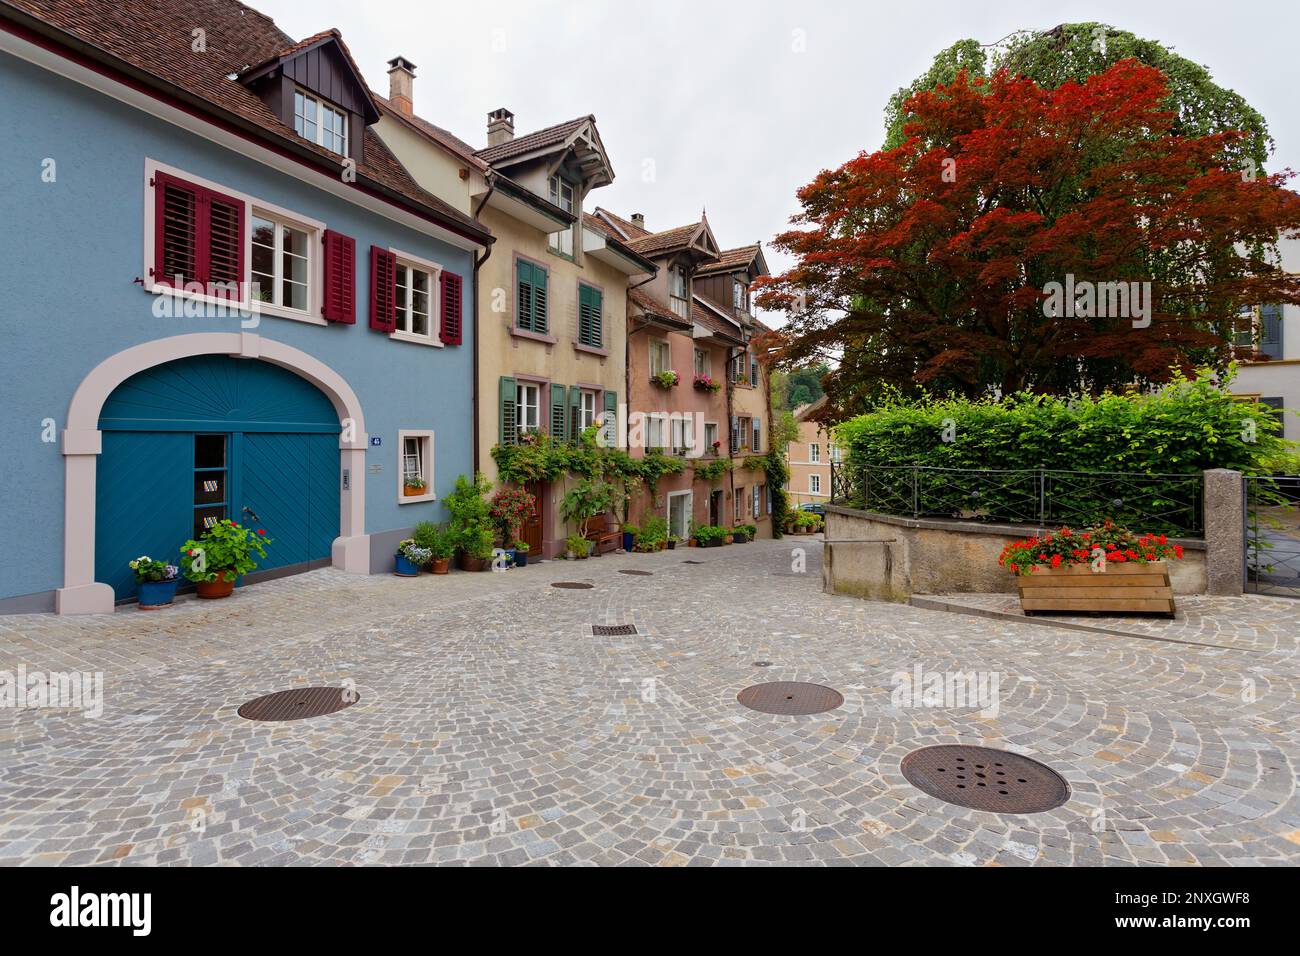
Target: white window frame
x,y
710,436
314,228
689,512
558,241
814,484
277,258
587,416
814,453
322,139
521,389
425,438
703,362
738,295
655,429
682,432
434,271
741,495
658,346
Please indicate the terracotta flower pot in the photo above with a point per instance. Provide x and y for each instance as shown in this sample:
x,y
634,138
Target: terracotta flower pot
x,y
729,539
468,563
410,492
222,587
441,565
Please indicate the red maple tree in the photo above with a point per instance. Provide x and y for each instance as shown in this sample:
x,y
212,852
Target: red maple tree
x,y
931,264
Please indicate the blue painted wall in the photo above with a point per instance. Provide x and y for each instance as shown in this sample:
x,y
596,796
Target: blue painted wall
x,y
69,254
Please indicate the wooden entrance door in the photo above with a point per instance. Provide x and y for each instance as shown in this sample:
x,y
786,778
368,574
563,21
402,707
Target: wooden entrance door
x,y
532,530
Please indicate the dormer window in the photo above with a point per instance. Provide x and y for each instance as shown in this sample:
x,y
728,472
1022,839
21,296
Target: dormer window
x,y
561,194
677,298
740,296
318,121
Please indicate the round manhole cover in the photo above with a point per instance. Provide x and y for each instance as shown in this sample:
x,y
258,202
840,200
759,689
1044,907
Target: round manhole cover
x,y
571,585
297,704
640,573
982,778
790,697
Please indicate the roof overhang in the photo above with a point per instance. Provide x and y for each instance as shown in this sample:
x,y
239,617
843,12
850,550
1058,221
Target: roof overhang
x,y
614,253
521,203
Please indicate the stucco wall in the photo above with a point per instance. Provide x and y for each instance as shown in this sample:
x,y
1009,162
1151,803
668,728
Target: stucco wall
x,y
73,252
801,465
504,353
890,559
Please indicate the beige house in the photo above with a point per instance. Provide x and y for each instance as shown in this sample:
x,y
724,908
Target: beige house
x,y
810,458
551,296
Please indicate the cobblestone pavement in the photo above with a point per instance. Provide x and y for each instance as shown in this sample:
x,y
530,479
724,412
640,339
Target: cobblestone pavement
x,y
494,728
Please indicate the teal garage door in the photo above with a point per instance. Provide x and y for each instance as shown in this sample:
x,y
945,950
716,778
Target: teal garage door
x,y
194,441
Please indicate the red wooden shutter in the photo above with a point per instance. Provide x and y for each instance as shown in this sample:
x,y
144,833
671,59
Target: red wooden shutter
x,y
176,229
224,242
383,290
340,294
451,320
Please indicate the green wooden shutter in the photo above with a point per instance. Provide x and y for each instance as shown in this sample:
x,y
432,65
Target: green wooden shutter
x,y
559,416
611,419
508,431
590,318
541,320
524,278
575,412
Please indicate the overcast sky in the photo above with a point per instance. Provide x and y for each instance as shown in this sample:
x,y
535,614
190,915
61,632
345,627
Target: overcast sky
x,y
731,106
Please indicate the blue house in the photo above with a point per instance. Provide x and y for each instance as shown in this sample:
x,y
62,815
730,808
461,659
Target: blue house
x,y
223,298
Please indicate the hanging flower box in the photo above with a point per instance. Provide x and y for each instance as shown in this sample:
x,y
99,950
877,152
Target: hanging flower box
x,y
705,383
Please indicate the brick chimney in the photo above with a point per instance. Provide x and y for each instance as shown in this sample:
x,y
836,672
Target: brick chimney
x,y
401,84
501,126
638,219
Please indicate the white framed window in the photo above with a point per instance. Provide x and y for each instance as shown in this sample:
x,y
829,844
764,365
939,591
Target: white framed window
x,y
710,435
655,429
528,407
815,453
280,266
318,121
561,194
415,451
683,434
660,357
415,299
271,256
836,455
740,503
677,297
588,402
814,484
703,365
739,296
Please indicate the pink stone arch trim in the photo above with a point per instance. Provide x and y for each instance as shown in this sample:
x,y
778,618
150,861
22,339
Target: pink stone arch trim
x,y
82,442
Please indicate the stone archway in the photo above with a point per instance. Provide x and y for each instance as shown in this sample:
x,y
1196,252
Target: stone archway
x,y
82,443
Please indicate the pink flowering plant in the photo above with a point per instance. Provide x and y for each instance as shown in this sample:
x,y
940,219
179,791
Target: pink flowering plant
x,y
706,383
1066,546
510,508
225,547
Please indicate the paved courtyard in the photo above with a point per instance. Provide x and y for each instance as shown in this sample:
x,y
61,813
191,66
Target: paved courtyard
x,y
494,728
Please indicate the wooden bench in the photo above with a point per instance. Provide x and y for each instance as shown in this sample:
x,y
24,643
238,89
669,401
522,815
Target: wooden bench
x,y
603,530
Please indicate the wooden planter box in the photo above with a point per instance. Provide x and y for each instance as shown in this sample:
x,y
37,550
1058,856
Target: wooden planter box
x,y
1141,588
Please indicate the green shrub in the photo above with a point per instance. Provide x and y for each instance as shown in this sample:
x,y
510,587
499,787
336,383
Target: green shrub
x,y
707,533
653,530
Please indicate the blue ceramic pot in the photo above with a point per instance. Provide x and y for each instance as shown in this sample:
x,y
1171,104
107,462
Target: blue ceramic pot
x,y
157,593
405,567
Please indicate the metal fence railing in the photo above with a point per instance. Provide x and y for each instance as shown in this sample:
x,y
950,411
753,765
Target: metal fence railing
x,y
1272,558
1157,503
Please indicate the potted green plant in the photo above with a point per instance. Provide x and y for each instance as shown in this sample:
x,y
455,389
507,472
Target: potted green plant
x,y
410,558
672,542
630,532
155,582
413,485
471,521
654,534
510,508
578,546
710,535
744,533
668,378
439,541
220,555
521,554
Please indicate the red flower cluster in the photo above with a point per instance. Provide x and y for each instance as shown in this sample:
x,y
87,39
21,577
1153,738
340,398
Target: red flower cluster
x,y
1068,547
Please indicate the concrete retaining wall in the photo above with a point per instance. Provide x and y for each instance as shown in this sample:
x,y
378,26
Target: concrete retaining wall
x,y
886,558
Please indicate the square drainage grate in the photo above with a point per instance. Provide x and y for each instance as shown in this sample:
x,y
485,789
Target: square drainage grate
x,y
613,630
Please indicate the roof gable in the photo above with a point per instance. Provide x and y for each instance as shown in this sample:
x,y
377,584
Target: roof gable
x,y
577,136
323,65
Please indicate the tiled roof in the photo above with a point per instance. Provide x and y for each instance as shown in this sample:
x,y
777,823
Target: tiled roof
x,y
626,226
657,243
154,37
707,317
730,260
542,138
642,300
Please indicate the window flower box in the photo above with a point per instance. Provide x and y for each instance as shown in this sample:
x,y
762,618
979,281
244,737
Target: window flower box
x,y
666,379
706,383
